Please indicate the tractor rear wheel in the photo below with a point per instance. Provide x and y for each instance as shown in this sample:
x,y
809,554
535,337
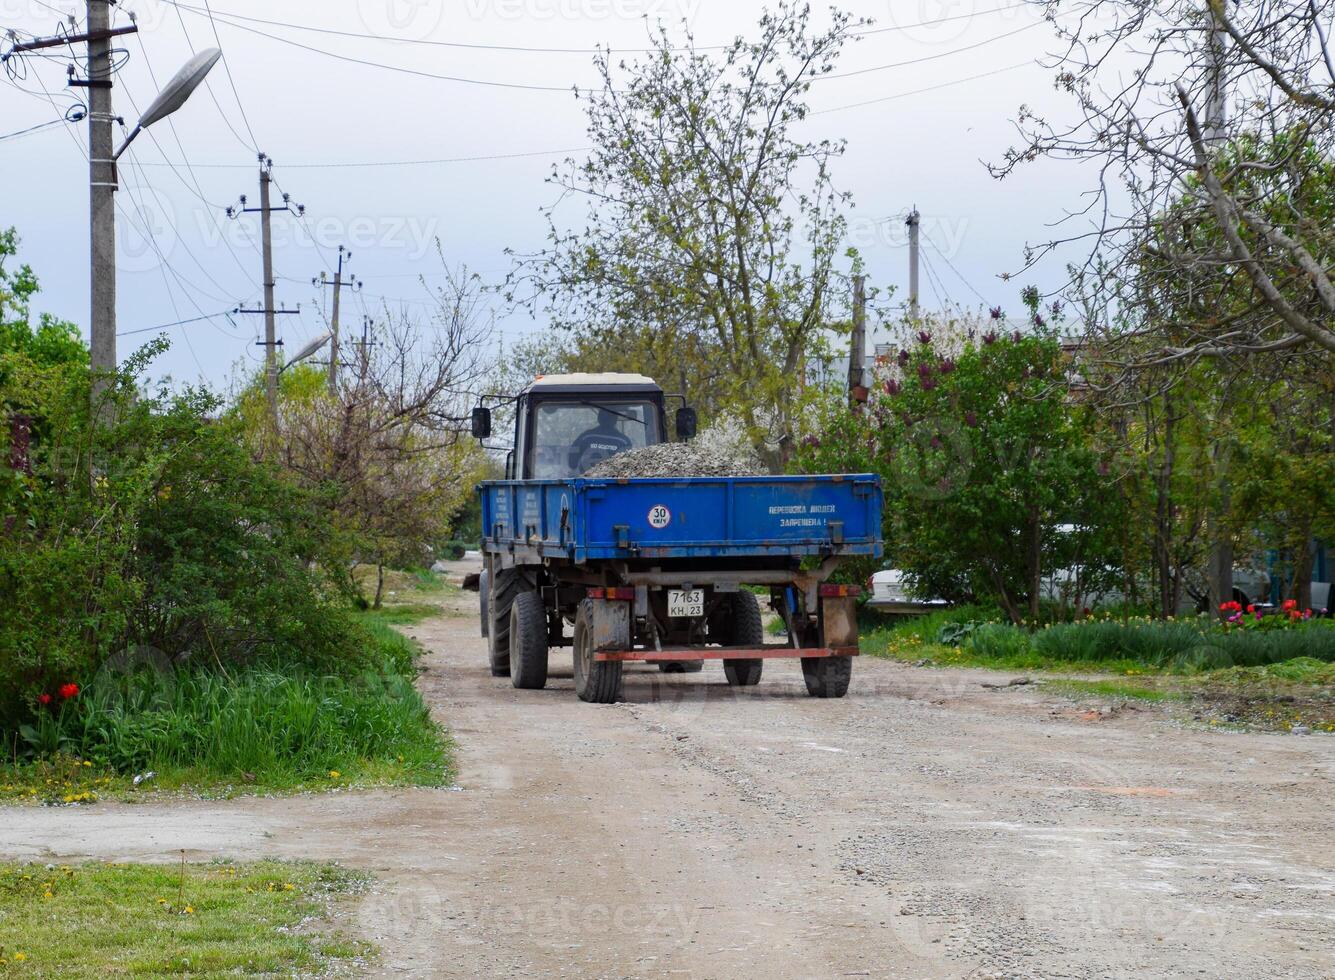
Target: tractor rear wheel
x,y
503,585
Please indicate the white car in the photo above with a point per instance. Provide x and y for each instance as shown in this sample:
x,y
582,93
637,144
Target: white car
x,y
888,595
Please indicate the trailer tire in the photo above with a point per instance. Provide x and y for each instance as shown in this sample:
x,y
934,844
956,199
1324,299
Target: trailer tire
x,y
502,587
528,642
682,667
827,677
747,628
596,681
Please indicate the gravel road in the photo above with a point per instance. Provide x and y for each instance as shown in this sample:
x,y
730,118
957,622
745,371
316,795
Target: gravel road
x,y
923,827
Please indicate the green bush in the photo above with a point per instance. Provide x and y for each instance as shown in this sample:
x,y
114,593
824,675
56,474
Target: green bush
x,y
155,529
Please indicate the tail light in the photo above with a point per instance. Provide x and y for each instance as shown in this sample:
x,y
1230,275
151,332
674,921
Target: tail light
x,y
620,594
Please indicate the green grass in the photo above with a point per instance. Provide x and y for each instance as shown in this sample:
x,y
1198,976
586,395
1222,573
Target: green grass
x,y
204,920
1112,689
261,729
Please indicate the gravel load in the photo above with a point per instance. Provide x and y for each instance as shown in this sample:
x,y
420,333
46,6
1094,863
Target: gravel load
x,y
685,459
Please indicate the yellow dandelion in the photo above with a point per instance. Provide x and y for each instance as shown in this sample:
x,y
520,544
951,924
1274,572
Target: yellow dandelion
x,y
288,886
87,764
20,957
334,774
188,910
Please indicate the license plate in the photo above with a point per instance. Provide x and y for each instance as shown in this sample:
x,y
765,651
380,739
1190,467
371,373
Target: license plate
x,y
686,602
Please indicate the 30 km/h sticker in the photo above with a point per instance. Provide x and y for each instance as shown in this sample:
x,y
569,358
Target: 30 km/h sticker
x,y
659,517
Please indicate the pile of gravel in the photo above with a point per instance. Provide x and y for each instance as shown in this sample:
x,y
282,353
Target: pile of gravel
x,y
685,459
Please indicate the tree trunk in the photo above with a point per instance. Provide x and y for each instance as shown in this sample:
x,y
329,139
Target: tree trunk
x,y
379,585
1034,564
1007,603
1304,562
1163,519
1221,540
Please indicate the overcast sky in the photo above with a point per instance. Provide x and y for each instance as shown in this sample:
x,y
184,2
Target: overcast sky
x,y
321,119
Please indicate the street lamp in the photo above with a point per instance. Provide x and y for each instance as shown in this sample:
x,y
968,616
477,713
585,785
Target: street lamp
x,y
308,351
171,98
104,181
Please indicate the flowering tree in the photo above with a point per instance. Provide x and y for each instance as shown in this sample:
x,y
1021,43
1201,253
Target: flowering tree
x,y
712,230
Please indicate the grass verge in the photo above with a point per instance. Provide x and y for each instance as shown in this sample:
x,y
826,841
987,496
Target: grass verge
x,y
89,920
215,733
1271,679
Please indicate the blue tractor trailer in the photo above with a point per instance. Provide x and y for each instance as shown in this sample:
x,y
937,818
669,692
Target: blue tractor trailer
x,y
663,570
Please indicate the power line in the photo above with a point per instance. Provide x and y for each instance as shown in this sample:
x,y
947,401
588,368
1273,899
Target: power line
x,y
922,91
395,163
945,258
225,314
401,70
34,129
214,95
525,49
491,83
930,57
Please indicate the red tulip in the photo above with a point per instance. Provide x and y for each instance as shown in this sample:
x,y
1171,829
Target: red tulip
x,y
44,698
68,691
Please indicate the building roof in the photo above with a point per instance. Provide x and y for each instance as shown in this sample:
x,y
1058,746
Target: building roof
x,y
607,378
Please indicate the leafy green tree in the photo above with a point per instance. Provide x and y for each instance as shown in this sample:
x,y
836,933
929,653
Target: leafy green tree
x,y
51,341
708,252
992,482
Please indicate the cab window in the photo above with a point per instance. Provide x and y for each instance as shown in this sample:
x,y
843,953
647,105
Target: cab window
x,y
570,438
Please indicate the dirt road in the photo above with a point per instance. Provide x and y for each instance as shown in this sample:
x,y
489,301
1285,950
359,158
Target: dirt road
x,y
923,827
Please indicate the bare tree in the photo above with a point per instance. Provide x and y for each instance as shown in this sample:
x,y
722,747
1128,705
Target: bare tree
x,y
1210,124
391,448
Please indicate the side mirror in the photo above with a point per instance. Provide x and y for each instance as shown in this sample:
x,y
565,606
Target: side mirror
x,y
481,423
687,424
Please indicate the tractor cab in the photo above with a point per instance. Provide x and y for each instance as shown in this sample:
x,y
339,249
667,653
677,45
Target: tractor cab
x,y
565,424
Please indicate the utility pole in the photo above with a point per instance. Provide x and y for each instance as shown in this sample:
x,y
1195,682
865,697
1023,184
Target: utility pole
x,y
1216,108
1220,565
364,348
913,221
102,186
271,343
100,70
355,284
857,346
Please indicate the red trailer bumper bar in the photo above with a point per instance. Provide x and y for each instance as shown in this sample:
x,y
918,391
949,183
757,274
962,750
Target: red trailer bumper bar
x,y
673,654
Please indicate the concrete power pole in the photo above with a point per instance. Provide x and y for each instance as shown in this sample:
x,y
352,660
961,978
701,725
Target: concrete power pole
x,y
102,187
913,221
270,329
355,284
271,343
857,347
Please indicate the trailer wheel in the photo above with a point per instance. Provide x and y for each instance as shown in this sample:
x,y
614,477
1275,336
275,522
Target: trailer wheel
x,y
502,587
528,642
596,681
827,677
746,629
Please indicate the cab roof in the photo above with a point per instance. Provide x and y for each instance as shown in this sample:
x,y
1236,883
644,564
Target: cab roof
x,y
588,380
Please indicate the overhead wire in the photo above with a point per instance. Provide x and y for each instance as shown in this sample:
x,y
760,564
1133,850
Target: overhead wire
x,y
922,91
34,129
529,49
959,275
402,163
